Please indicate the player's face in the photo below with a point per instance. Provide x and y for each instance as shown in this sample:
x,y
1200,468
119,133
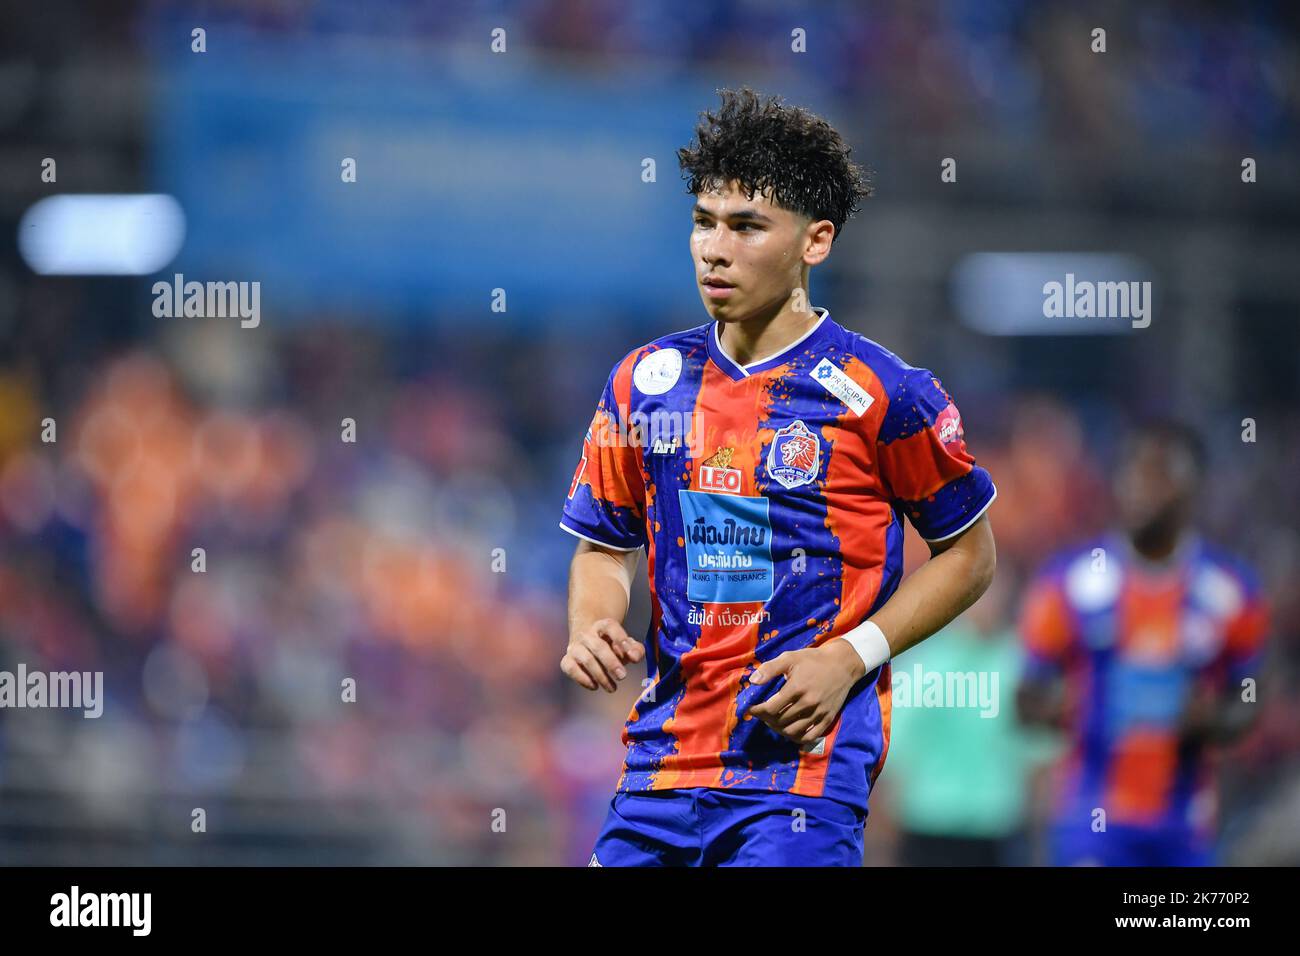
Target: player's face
x,y
756,249
1154,487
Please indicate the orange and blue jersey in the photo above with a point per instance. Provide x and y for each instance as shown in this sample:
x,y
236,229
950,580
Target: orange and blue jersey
x,y
1131,640
770,499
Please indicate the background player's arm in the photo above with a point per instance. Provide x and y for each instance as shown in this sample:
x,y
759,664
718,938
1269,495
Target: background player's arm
x,y
1216,711
600,590
1042,701
1216,716
1048,630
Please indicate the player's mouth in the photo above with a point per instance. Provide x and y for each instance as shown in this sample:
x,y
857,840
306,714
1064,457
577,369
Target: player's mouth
x,y
716,288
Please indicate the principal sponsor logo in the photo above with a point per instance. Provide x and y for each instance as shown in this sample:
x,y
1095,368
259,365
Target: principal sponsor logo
x,y
794,456
840,384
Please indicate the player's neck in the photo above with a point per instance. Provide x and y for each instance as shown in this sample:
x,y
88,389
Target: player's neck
x,y
1156,552
758,338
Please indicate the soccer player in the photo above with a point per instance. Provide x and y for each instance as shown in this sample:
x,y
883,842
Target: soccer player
x,y
1144,646
768,488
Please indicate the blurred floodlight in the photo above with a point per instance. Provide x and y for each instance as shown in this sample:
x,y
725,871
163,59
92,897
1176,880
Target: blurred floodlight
x,y
1002,293
101,234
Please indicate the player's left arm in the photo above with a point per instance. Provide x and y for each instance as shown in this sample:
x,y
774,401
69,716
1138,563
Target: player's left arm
x,y
818,679
960,569
1221,705
925,468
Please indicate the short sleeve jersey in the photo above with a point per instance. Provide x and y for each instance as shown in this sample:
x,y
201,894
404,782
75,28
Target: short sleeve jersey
x,y
770,499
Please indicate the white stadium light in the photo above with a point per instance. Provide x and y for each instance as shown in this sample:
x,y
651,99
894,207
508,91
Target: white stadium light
x,y
92,234
1052,293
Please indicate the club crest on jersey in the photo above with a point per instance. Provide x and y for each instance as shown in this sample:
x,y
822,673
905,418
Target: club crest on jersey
x,y
794,456
716,473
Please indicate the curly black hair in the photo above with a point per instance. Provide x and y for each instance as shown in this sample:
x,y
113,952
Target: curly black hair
x,y
766,144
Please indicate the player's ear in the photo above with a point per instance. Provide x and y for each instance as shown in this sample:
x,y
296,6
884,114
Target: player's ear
x,y
818,236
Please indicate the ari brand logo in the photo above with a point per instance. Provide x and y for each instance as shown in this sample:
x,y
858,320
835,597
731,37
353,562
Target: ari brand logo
x,y
665,447
716,473
795,455
594,861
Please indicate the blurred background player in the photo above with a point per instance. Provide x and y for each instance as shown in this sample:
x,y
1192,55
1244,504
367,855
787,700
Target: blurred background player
x,y
1145,646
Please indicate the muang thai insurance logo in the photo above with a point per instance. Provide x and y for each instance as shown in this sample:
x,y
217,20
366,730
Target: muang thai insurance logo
x,y
794,456
728,547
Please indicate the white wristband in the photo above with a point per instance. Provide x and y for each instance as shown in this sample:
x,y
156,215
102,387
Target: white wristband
x,y
869,641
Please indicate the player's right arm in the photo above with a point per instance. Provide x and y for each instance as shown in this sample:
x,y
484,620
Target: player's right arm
x,y
605,509
600,589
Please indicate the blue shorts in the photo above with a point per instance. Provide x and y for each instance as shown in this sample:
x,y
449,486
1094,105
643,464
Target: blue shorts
x,y
701,826
1076,844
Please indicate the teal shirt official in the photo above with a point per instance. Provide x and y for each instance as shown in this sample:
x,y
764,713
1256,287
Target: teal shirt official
x,y
953,771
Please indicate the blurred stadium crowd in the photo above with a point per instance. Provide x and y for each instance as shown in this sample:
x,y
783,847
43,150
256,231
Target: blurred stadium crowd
x,y
424,559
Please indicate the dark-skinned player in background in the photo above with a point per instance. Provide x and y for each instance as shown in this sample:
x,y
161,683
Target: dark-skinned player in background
x,y
1145,646
783,453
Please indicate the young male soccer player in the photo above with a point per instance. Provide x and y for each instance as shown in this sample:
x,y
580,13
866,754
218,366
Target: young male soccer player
x,y
1152,632
772,520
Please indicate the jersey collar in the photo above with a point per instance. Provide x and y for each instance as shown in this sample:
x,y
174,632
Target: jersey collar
x,y
735,371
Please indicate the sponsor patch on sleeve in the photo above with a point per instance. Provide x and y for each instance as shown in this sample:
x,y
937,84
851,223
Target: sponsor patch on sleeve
x,y
838,382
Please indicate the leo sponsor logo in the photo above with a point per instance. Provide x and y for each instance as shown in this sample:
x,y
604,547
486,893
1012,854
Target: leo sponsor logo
x,y
716,473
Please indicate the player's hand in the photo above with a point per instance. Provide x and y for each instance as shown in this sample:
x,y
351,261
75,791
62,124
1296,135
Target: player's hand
x,y
817,681
1199,718
596,655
